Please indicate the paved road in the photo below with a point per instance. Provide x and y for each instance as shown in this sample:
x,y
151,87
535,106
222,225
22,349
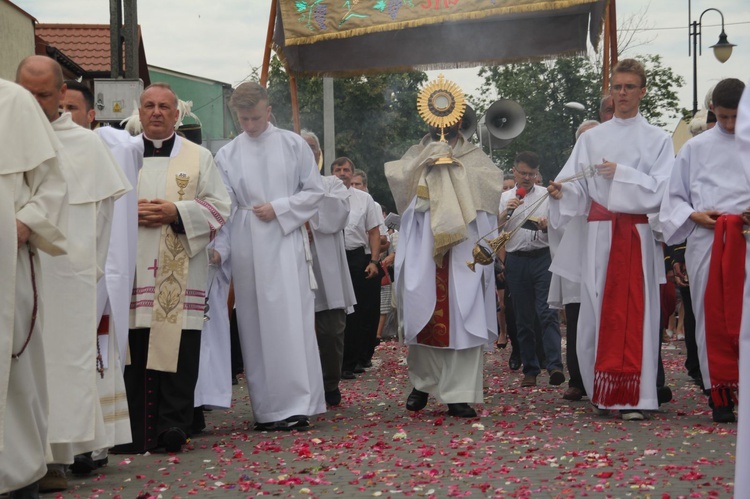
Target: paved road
x,y
527,443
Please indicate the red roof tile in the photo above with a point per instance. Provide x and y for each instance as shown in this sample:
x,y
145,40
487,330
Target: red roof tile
x,y
86,44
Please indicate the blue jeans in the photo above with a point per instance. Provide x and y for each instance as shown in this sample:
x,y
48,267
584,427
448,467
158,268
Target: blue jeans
x,y
528,278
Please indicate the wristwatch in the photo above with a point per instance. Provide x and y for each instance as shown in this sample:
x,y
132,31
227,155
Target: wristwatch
x,y
374,262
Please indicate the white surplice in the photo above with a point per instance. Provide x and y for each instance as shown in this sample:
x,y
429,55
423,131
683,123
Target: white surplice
x,y
113,293
33,191
214,386
707,176
272,272
94,181
202,217
335,290
741,476
644,157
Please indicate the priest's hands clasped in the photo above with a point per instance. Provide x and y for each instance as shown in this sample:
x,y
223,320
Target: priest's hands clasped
x,y
156,212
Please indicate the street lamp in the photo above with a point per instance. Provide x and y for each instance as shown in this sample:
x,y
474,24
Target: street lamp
x,y
722,49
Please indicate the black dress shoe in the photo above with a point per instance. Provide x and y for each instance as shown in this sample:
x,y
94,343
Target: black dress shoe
x,y
461,410
514,363
367,364
83,464
348,375
173,439
663,394
288,424
723,414
333,397
417,400
358,369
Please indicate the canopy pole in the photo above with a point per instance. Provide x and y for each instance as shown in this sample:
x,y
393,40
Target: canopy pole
x,y
295,102
605,53
267,48
609,43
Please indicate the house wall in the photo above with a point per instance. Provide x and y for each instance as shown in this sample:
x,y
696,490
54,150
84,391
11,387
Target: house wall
x,y
16,39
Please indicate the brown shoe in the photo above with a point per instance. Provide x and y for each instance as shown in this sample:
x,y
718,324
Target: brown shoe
x,y
574,394
528,380
54,481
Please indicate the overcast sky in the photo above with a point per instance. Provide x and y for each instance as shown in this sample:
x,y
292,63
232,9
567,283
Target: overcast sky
x,y
223,40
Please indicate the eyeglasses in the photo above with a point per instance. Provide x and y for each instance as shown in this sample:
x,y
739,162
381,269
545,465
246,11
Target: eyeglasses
x,y
525,174
628,86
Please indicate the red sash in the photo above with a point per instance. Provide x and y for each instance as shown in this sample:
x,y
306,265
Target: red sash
x,y
436,333
617,372
723,306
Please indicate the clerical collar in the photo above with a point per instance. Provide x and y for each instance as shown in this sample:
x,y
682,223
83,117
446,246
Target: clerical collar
x,y
157,148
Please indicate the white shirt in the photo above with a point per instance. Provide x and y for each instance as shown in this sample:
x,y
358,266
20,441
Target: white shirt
x,y
524,239
364,215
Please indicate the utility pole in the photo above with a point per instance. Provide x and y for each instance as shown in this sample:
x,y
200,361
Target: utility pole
x,y
329,132
131,39
115,38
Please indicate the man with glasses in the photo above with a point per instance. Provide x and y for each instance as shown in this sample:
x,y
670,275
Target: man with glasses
x,y
527,261
622,263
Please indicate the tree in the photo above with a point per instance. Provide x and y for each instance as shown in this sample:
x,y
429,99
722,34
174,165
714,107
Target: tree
x,y
543,88
376,117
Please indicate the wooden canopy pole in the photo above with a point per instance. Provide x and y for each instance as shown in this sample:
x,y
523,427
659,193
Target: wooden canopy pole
x,y
267,49
605,53
609,44
613,32
267,63
295,101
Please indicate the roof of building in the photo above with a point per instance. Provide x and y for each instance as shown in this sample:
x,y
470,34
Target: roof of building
x,y
87,44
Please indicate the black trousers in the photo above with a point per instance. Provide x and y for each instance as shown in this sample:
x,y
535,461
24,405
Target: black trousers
x,y
361,325
691,362
159,400
571,355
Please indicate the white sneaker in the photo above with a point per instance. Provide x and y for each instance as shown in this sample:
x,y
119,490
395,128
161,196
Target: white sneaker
x,y
599,412
632,415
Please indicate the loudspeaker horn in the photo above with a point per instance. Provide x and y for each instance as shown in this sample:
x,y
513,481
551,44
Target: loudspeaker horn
x,y
504,120
468,122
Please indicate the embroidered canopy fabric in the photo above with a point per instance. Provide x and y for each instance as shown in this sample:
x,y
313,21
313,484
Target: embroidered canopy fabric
x,y
349,37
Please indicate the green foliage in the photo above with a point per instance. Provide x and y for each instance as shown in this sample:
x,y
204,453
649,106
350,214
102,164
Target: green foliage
x,y
376,117
543,88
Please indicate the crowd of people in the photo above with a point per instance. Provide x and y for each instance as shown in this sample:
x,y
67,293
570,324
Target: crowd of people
x,y
133,257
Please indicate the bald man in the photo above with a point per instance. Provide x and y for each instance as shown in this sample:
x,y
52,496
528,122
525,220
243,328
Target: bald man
x,y
69,289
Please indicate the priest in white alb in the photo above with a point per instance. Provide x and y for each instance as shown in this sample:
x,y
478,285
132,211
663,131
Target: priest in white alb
x,y
272,179
182,203
622,263
94,181
741,476
33,208
448,310
113,294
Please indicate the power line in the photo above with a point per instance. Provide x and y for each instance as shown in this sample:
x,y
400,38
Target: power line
x,y
683,27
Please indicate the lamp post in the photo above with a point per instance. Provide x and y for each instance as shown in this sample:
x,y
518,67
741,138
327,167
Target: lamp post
x,y
722,49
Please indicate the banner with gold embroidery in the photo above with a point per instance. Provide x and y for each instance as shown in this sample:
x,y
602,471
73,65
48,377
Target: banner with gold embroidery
x,y
344,37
